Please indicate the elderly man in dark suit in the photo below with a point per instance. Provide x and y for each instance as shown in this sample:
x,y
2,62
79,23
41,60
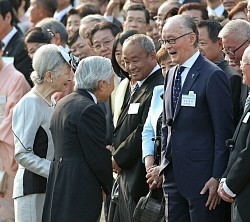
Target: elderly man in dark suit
x,y
140,61
197,119
82,169
235,184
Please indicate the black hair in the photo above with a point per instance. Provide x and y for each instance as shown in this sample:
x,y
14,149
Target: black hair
x,y
120,38
213,28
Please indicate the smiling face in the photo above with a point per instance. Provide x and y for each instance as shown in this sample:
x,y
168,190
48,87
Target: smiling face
x,y
138,63
135,20
73,24
60,82
103,43
230,43
183,48
211,50
81,49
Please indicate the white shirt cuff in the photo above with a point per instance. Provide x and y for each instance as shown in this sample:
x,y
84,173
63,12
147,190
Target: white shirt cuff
x,y
227,190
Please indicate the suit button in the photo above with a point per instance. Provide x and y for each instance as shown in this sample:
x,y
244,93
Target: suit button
x,y
114,135
60,160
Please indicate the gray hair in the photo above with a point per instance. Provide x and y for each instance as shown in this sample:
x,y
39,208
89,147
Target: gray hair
x,y
93,18
238,29
91,70
186,23
56,27
144,41
46,58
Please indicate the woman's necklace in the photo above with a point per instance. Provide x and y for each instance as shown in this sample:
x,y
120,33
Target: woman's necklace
x,y
41,96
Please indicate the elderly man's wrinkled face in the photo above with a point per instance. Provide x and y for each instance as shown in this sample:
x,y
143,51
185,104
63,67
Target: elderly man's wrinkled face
x,y
178,40
233,49
137,62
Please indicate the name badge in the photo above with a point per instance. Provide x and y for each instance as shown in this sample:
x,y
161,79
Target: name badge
x,y
3,99
133,108
8,59
246,118
188,100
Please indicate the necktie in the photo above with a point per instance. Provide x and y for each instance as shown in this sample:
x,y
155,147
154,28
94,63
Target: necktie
x,y
247,102
177,87
134,90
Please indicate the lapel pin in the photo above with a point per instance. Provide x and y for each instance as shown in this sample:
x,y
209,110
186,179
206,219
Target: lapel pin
x,y
193,75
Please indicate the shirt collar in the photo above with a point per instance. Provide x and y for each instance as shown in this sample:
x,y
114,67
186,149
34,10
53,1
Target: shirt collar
x,y
59,15
154,69
189,63
217,11
93,96
8,37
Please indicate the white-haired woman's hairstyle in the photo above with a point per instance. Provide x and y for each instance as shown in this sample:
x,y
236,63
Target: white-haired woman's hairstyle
x,y
91,71
46,58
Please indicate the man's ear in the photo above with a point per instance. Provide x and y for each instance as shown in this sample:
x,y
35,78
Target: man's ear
x,y
8,17
56,39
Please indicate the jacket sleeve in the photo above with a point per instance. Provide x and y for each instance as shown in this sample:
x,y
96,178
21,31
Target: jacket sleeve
x,y
91,132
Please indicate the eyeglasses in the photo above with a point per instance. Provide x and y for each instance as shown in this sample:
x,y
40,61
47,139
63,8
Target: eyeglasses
x,y
232,53
172,41
97,46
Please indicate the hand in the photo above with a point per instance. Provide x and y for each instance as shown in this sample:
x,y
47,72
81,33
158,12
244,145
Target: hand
x,y
213,198
116,168
111,6
224,195
154,180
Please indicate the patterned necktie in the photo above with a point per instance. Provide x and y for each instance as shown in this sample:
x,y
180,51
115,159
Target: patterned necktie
x,y
134,90
177,87
247,102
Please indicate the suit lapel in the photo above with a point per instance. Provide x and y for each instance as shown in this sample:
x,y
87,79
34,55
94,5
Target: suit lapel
x,y
240,123
189,81
168,92
138,95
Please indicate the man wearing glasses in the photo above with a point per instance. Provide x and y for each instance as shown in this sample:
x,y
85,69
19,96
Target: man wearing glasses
x,y
197,119
235,37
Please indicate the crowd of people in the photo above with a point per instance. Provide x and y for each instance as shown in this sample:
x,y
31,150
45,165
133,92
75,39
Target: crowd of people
x,y
104,101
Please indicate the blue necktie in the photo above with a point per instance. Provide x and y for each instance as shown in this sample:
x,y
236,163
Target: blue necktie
x,y
177,87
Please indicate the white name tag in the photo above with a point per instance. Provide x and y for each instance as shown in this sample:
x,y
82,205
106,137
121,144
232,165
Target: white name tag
x,y
246,118
8,59
188,100
133,108
3,99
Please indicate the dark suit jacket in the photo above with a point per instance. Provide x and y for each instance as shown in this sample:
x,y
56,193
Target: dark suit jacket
x,y
128,141
194,137
22,61
237,173
235,81
82,167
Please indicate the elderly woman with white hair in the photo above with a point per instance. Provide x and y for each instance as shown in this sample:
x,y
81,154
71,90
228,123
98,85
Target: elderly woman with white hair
x,y
82,169
34,148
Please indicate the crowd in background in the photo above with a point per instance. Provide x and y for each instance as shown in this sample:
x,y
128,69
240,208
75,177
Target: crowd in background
x,y
173,111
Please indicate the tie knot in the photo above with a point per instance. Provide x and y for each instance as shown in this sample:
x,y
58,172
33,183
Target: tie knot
x,y
135,88
181,69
